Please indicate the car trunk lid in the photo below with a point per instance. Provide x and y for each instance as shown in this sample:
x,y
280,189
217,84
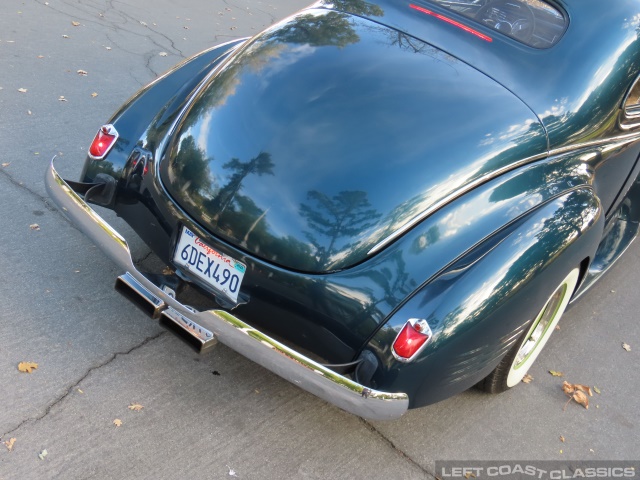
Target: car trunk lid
x,y
329,133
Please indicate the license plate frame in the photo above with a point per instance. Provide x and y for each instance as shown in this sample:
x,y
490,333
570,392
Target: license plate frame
x,y
216,270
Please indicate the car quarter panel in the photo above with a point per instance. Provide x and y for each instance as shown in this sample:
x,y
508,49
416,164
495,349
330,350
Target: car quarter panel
x,y
155,105
478,307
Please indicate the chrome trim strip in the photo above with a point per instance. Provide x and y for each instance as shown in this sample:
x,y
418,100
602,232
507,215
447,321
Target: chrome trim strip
x,y
449,198
620,139
228,329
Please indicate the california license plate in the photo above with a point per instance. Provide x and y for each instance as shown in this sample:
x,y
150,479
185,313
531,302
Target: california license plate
x,y
216,269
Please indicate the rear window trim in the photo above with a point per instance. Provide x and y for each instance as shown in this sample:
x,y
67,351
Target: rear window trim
x,y
437,4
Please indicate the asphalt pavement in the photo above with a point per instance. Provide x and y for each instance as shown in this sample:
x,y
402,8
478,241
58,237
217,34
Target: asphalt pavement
x,y
220,415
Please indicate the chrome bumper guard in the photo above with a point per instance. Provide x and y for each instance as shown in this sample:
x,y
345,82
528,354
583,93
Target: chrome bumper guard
x,y
223,326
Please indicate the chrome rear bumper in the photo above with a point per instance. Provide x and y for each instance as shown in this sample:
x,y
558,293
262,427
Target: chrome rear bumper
x,y
221,325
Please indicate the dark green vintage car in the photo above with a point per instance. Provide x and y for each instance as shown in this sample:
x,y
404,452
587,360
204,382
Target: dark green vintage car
x,y
384,203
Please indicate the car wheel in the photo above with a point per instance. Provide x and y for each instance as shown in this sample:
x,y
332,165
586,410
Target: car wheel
x,y
515,365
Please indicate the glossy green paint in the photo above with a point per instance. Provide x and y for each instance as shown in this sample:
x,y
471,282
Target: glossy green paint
x,y
479,265
326,133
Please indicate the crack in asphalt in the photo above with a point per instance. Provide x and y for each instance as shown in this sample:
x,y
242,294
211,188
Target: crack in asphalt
x,y
395,448
78,382
22,186
118,27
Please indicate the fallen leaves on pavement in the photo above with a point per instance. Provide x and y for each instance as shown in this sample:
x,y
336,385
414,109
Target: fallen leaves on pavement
x,y
117,422
577,392
556,374
22,90
527,378
75,24
626,346
27,367
136,407
43,454
83,73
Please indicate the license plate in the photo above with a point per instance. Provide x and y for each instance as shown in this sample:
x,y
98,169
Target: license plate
x,y
216,269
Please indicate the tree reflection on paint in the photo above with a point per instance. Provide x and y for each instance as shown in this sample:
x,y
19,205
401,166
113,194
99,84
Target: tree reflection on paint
x,y
343,215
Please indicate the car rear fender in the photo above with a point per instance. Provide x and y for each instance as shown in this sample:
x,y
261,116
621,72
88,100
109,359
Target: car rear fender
x,y
144,119
479,305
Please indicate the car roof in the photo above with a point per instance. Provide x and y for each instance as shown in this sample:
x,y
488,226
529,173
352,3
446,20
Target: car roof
x,y
584,77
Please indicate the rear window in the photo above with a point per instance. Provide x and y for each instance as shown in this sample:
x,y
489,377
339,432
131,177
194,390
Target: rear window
x,y
533,22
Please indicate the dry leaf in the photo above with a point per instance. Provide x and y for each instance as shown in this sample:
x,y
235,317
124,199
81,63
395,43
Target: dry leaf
x,y
108,48
65,36
626,346
94,94
43,454
22,90
597,390
117,422
167,271
163,54
561,438
527,378
75,24
27,367
232,472
80,391
577,392
556,374
84,73
581,398
469,475
40,56
569,388
62,99
136,407
6,164
34,226
9,443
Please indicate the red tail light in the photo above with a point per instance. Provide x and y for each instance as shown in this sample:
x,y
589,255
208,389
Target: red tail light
x,y
104,140
411,339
